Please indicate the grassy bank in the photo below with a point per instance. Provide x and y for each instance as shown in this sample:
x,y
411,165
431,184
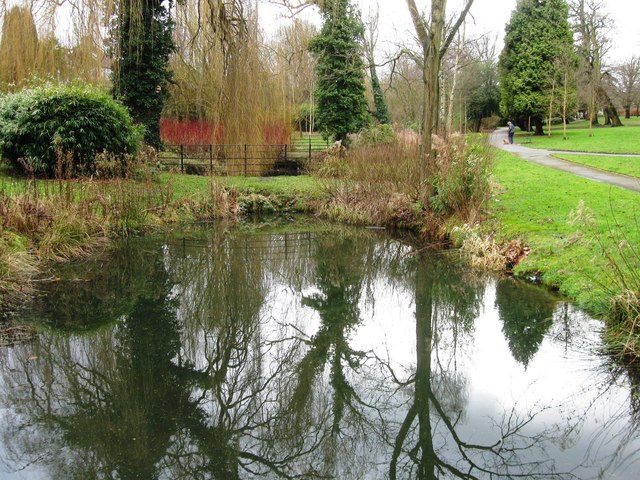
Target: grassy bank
x,y
45,221
627,165
583,237
254,194
580,138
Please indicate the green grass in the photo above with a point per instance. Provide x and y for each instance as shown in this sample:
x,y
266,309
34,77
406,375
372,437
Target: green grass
x,y
617,164
602,140
301,139
570,257
186,185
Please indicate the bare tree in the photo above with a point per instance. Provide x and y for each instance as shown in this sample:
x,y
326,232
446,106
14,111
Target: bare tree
x,y
435,37
627,80
592,27
369,40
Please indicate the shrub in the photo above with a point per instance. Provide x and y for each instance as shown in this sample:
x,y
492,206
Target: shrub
x,y
198,132
46,125
276,132
378,134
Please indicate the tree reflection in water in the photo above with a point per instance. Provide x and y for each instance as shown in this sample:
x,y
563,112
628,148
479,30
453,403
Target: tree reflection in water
x,y
428,444
527,313
231,357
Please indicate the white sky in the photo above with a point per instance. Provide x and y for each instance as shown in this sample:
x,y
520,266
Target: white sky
x,y
489,17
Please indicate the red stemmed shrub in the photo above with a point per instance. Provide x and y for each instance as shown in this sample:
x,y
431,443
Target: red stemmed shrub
x,y
190,132
276,133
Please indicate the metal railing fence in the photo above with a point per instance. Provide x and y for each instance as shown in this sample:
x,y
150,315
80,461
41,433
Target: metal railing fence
x,y
250,160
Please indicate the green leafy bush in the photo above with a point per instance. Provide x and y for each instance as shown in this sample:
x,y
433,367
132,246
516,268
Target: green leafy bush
x,y
378,134
43,127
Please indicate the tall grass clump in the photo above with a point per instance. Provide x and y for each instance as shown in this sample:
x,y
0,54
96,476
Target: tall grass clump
x,y
16,266
621,282
66,217
623,288
460,178
217,202
378,181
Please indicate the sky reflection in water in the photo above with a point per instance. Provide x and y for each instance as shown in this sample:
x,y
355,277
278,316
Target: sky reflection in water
x,y
326,354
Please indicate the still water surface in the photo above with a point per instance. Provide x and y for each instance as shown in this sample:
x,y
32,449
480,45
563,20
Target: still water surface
x,y
329,353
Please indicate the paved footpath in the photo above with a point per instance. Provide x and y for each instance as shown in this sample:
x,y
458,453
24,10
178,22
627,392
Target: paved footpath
x,y
544,157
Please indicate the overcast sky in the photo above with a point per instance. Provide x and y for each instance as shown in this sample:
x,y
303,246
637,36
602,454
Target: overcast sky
x,y
490,17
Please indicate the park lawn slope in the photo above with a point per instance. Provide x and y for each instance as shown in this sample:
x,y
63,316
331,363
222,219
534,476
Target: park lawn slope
x,y
573,226
617,164
581,139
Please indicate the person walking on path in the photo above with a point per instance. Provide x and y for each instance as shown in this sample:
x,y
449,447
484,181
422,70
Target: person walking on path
x,y
511,131
545,157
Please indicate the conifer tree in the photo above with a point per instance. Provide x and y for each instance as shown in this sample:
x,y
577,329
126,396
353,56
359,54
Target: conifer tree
x,y
536,35
340,92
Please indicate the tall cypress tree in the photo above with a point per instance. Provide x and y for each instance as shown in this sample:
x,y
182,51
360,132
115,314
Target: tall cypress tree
x,y
382,112
340,92
536,36
141,68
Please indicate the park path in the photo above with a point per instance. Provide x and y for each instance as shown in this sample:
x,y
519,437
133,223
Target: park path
x,y
544,157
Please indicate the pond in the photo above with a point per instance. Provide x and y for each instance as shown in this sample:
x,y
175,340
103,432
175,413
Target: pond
x,y
323,352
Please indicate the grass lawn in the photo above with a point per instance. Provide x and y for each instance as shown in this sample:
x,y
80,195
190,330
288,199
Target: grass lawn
x,y
304,186
570,256
617,164
603,140
302,139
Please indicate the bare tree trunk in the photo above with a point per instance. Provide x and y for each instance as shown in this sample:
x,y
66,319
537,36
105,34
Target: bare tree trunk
x,y
434,46
537,121
609,108
549,118
564,106
454,81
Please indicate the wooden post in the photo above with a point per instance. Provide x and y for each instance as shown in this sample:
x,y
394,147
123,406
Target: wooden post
x,y
245,159
210,159
309,148
181,158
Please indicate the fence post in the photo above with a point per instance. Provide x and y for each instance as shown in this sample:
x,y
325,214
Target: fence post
x,y
245,159
181,158
210,159
309,147
285,153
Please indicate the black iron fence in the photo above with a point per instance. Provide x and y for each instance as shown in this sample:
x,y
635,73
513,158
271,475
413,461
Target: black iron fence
x,y
249,160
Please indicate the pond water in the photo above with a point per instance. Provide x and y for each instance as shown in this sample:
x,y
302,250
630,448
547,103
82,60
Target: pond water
x,y
323,353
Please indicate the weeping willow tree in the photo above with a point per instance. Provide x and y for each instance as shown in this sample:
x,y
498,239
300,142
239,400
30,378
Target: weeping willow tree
x,y
18,48
293,68
137,34
34,45
88,56
195,60
222,72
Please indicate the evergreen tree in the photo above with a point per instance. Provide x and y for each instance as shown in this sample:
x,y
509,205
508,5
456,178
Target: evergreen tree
x,y
144,43
382,112
535,37
484,94
340,93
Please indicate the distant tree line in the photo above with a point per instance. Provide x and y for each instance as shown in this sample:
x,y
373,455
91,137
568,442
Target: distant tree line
x,y
210,61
